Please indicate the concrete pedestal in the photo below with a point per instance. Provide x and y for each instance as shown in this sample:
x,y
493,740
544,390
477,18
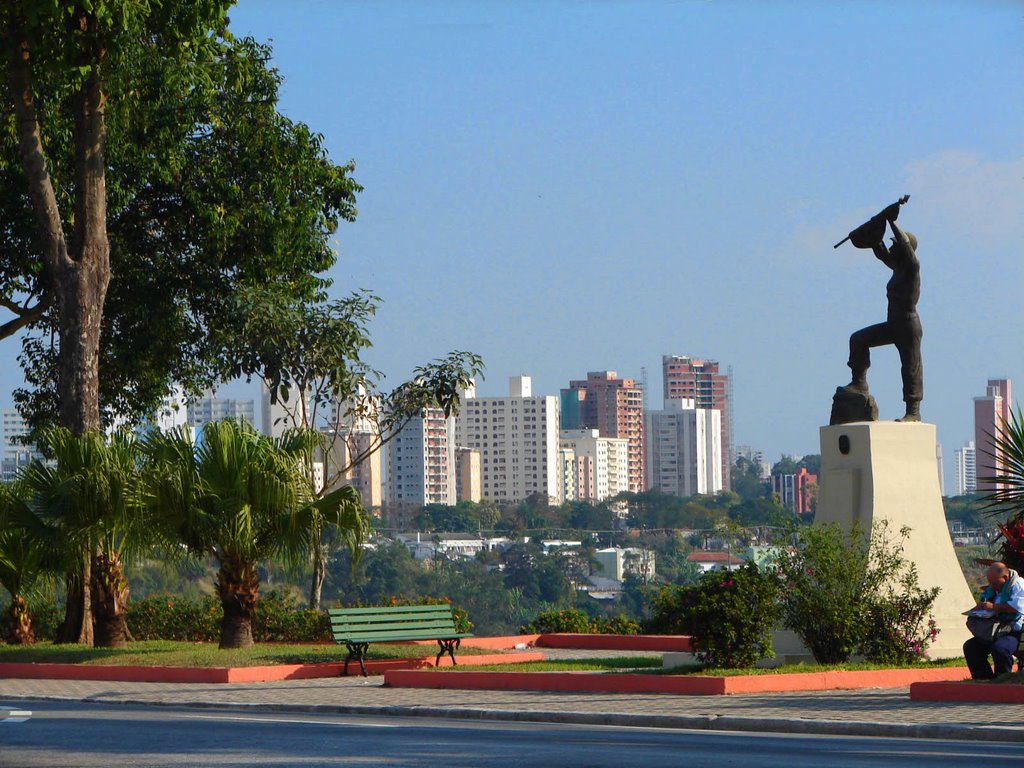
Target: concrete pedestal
x,y
886,470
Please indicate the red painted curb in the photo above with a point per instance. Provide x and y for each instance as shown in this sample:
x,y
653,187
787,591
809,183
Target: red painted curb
x,y
993,693
266,674
682,685
670,643
506,642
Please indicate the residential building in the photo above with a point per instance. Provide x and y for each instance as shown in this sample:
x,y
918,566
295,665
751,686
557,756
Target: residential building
x,y
690,378
517,436
213,408
617,563
291,413
797,492
16,452
615,408
354,458
468,464
715,561
991,412
684,449
421,461
966,469
600,464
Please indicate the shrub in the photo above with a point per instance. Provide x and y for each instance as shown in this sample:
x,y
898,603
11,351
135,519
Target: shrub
x,y
278,618
730,616
170,617
566,620
845,592
616,625
900,629
667,612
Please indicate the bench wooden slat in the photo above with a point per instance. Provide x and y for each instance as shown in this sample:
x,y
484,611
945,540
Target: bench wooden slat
x,y
392,617
394,627
387,609
364,637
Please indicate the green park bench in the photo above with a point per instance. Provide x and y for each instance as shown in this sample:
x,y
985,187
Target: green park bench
x,y
358,627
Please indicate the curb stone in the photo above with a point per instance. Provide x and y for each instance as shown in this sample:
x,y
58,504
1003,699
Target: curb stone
x,y
944,731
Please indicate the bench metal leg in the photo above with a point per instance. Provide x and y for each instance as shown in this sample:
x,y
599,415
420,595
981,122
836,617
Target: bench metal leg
x,y
356,651
447,646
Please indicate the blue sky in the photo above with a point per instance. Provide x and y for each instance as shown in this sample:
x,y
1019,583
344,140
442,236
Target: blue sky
x,y
573,186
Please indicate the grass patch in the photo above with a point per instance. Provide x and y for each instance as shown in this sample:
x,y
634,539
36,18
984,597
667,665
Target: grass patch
x,y
788,669
167,653
620,664
647,665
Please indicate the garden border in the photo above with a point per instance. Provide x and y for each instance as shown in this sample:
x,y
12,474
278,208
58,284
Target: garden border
x,y
982,693
680,685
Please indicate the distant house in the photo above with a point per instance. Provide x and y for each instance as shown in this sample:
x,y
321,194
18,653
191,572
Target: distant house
x,y
715,561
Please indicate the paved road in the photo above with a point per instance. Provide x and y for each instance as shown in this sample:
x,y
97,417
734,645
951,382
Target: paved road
x,y
81,735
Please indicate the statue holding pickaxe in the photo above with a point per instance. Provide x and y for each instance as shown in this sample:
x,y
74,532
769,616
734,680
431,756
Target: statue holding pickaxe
x,y
902,326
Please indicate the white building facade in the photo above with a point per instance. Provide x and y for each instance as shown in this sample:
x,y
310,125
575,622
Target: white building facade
x,y
421,461
684,449
600,464
517,437
213,408
966,469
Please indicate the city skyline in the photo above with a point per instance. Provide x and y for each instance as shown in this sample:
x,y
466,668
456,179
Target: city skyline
x,y
569,186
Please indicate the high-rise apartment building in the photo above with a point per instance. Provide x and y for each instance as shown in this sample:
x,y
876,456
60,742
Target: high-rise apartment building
x,y
797,492
468,463
213,408
276,417
615,408
966,469
991,412
517,437
600,464
16,453
689,378
421,461
684,449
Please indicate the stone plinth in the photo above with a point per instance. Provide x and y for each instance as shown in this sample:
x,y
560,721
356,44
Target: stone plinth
x,y
886,470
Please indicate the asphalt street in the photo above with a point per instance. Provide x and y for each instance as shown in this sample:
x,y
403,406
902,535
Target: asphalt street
x,y
84,735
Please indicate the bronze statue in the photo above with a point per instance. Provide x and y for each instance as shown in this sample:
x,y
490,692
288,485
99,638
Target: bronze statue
x,y
902,326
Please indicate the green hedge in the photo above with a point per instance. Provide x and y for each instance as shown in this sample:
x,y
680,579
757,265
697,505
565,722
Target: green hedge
x,y
576,621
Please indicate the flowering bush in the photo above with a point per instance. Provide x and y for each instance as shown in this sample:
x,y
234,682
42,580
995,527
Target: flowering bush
x,y
567,620
1011,548
845,592
616,625
277,618
729,615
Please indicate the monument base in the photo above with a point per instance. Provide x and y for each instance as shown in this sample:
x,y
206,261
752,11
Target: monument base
x,y
886,470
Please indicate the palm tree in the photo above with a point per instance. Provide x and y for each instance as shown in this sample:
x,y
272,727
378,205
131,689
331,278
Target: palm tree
x,y
21,565
89,501
1006,502
241,498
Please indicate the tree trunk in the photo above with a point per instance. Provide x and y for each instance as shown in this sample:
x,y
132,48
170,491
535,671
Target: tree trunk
x,y
18,623
238,588
109,600
316,584
77,624
75,278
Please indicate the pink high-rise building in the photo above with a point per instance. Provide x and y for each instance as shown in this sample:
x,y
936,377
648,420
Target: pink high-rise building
x,y
991,412
614,407
689,378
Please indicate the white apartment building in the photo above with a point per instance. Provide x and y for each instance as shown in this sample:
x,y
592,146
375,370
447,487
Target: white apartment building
x,y
213,408
684,449
16,454
600,464
966,469
276,418
517,437
421,461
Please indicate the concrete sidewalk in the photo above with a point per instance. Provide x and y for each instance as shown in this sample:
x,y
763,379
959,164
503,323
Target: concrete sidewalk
x,y
866,713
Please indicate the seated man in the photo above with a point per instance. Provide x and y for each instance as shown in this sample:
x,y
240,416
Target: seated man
x,y
1004,595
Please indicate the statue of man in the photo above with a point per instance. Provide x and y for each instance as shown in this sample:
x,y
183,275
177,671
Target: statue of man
x,y
902,326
